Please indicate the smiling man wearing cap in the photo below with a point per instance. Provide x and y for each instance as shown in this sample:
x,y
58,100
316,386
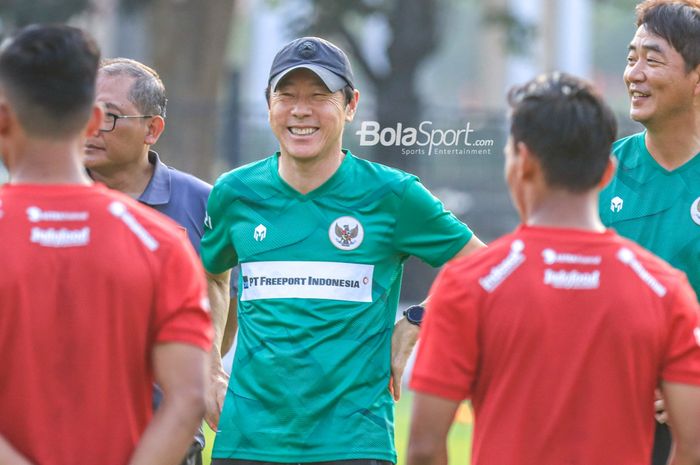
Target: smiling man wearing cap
x,y
321,236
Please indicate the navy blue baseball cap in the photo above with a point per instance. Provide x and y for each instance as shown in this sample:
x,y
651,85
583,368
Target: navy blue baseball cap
x,y
326,60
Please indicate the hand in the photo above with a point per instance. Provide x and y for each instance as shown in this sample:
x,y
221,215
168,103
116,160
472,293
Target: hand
x,y
402,342
216,393
659,408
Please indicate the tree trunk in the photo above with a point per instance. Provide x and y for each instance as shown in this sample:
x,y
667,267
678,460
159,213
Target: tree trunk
x,y
189,39
413,25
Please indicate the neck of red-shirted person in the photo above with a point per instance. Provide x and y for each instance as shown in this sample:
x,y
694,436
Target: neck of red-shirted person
x,y
45,161
560,208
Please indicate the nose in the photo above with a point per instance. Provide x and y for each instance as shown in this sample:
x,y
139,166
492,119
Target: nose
x,y
634,72
301,108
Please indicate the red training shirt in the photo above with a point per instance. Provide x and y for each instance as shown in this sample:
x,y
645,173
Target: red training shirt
x,y
90,281
559,338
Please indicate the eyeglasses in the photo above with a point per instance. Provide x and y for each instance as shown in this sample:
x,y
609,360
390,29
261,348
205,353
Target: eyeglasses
x,y
109,122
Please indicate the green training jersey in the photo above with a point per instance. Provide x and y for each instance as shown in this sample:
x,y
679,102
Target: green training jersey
x,y
657,208
318,292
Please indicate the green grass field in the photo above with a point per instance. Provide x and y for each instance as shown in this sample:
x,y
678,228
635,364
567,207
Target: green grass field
x,y
459,446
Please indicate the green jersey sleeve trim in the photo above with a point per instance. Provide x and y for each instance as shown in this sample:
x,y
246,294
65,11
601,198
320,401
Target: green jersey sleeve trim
x,y
217,250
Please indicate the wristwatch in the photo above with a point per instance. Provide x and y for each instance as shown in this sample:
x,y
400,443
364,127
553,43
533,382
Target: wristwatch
x,y
414,314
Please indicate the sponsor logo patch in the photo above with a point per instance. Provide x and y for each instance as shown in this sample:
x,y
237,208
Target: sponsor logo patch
x,y
627,257
574,279
119,210
259,233
695,211
500,272
696,332
616,204
63,237
346,233
36,214
551,257
307,280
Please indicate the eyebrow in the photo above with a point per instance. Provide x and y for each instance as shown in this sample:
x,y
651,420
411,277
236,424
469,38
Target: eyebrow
x,y
649,47
112,106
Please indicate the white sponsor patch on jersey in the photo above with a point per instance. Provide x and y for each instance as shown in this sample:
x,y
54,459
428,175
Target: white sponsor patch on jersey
x,y
573,279
350,282
696,332
36,214
119,210
63,237
551,257
695,211
616,204
500,272
346,233
260,232
627,257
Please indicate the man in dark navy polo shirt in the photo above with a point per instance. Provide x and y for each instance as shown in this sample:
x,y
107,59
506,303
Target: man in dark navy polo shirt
x,y
119,156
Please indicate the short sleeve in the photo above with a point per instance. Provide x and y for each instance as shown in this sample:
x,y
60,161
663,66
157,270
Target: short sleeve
x,y
425,229
682,360
217,251
182,307
447,357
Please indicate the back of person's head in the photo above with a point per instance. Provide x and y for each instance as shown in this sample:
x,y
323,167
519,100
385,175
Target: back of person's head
x,y
567,126
147,91
678,22
47,73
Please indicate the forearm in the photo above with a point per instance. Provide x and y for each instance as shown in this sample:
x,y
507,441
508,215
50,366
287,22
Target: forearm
x,y
430,424
405,338
11,456
679,458
181,370
231,327
218,288
169,435
436,456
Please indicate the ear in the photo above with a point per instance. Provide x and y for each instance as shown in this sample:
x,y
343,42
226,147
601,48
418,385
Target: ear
x,y
96,116
5,118
528,166
156,125
696,75
351,107
609,172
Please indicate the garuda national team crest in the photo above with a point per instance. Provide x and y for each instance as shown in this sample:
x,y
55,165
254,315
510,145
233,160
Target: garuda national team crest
x,y
346,233
695,211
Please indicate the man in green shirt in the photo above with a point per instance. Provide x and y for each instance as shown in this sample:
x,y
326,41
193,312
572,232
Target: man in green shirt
x,y
321,236
654,197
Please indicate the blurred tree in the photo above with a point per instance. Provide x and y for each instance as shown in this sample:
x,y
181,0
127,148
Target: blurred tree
x,y
18,13
413,36
188,44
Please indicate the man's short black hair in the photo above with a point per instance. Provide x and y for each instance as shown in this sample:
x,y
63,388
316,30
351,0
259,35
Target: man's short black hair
x,y
47,73
678,22
567,126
